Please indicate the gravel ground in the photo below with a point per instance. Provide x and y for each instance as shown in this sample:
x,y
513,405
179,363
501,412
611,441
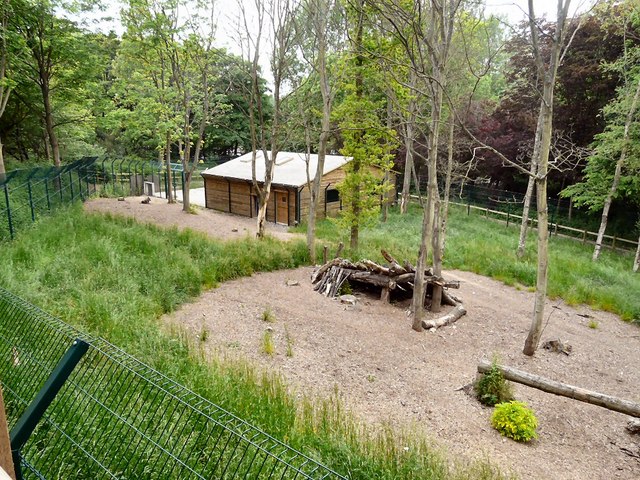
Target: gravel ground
x,y
386,372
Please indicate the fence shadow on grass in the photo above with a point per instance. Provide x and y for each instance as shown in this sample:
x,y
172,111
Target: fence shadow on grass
x,y
116,417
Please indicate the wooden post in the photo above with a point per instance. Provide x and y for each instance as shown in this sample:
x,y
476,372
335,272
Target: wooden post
x,y
385,295
564,390
613,243
6,460
325,253
584,237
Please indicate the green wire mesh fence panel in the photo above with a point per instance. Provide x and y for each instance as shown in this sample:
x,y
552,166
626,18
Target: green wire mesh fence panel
x,y
118,418
26,195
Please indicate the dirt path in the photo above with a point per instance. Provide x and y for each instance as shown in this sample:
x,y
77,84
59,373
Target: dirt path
x,y
217,224
386,372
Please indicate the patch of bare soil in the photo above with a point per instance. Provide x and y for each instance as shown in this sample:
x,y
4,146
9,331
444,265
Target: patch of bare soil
x,y
385,372
216,224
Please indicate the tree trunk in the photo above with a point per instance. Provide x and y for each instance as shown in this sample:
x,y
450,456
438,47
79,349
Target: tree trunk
x,y
636,262
408,144
6,458
419,289
436,297
186,157
262,211
447,190
617,174
544,137
564,390
327,99
2,168
526,206
355,163
170,192
48,122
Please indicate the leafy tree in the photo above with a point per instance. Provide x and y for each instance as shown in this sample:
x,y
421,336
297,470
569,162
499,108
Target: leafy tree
x,y
366,139
61,62
614,168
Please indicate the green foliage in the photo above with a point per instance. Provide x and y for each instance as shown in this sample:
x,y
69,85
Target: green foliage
x,y
491,388
268,315
268,346
515,420
345,288
619,142
290,341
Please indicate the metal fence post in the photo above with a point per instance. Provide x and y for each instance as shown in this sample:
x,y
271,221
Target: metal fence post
x,y
46,191
6,198
27,423
71,184
33,214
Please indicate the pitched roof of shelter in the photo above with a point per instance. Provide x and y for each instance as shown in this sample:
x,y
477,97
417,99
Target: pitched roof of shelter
x,y
290,168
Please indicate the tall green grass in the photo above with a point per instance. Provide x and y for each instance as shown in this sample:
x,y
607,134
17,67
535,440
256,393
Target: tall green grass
x,y
487,247
114,278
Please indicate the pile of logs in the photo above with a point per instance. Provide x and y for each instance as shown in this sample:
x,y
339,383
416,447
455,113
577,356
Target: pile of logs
x,y
394,281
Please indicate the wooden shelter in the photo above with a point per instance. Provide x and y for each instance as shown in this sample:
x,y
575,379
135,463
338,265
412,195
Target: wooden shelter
x,y
229,186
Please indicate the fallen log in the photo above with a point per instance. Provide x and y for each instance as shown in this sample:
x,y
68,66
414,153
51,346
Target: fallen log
x,y
394,266
565,390
447,319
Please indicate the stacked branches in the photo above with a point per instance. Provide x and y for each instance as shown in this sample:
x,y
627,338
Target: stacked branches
x,y
395,280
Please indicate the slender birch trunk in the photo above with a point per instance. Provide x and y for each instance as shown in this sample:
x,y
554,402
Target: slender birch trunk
x,y
447,189
524,224
408,143
533,167
636,262
419,289
167,160
320,13
355,163
543,136
617,174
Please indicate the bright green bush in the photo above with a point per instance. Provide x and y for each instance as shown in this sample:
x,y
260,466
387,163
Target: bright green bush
x,y
491,388
515,420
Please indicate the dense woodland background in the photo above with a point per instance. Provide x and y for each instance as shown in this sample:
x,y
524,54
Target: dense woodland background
x,y
69,92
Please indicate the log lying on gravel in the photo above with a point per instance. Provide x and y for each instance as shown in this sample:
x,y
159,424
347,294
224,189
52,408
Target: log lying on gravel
x,y
394,277
447,319
565,390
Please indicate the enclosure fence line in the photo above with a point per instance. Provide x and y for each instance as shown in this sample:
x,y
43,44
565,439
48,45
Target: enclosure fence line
x,y
26,195
507,206
115,417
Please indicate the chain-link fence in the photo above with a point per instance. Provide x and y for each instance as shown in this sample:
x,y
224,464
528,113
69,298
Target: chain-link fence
x,y
117,418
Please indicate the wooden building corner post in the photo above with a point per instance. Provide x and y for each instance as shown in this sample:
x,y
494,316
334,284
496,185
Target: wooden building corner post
x,y
6,460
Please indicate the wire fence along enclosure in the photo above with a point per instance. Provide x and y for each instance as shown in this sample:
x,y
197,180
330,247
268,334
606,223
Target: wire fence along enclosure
x,y
507,206
118,418
26,195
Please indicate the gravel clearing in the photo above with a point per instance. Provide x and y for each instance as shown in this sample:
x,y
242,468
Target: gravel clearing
x,y
387,373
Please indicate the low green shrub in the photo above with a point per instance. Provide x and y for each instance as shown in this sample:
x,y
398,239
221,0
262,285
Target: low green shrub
x,y
491,388
515,420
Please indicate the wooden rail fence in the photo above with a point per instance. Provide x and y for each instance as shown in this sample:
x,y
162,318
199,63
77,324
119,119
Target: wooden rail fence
x,y
610,241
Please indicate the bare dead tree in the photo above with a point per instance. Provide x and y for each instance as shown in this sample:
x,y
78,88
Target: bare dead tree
x,y
321,16
274,23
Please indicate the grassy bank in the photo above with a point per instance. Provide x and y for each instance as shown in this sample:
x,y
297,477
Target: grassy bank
x,y
488,248
115,278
